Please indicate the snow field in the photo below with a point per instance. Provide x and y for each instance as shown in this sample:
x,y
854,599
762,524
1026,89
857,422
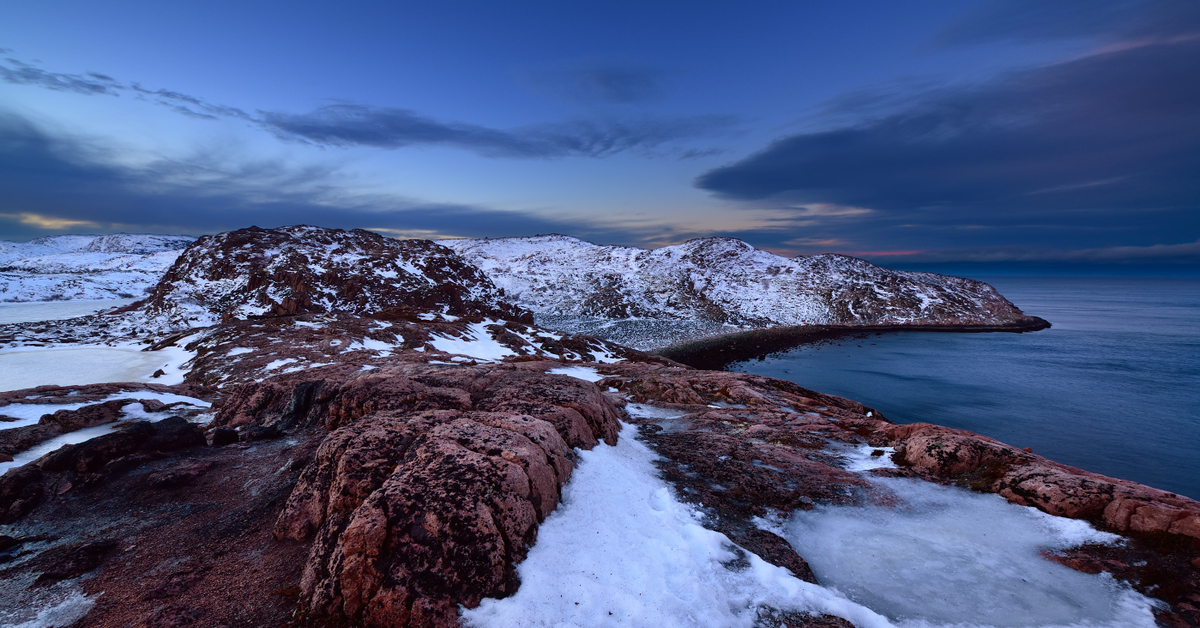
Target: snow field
x,y
586,373
622,551
75,365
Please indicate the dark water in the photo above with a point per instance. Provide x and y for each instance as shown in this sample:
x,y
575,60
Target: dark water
x,y
1113,387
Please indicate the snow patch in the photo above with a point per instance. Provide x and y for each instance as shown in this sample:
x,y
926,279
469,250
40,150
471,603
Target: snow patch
x,y
476,343
622,551
64,613
586,373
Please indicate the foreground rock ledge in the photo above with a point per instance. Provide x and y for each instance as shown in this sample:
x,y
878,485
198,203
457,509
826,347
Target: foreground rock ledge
x,y
390,497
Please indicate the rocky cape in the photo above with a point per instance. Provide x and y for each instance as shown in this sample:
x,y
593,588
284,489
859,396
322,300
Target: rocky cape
x,y
383,457
717,286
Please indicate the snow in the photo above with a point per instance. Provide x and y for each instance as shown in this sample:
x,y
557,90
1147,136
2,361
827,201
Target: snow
x,y
585,373
239,351
950,557
131,412
70,365
274,364
622,551
54,310
579,282
476,343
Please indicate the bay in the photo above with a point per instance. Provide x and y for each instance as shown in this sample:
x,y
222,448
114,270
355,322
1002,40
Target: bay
x,y
1113,387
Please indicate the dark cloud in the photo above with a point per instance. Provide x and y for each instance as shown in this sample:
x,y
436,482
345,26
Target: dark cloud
x,y
24,74
1112,20
1106,142
52,184
385,127
348,125
594,83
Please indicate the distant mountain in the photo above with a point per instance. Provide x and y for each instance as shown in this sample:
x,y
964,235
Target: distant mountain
x,y
69,267
723,280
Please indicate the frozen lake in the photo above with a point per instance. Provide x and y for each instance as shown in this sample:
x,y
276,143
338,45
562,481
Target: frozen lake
x,y
53,310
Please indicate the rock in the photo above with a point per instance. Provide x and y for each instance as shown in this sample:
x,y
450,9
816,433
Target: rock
x,y
296,270
20,491
224,436
91,455
259,432
174,433
946,454
181,475
70,562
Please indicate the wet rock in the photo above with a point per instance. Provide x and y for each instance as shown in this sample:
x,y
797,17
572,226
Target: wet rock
x,y
73,561
259,432
181,475
20,490
224,436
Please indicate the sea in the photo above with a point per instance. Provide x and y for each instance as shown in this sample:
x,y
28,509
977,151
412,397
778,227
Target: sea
x,y
1112,387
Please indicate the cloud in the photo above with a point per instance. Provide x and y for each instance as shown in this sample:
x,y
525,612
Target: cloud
x,y
1106,141
600,83
48,222
1040,20
1188,252
385,127
91,83
349,125
51,183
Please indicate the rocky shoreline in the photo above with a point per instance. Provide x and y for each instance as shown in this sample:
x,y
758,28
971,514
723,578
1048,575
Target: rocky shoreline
x,y
718,352
344,453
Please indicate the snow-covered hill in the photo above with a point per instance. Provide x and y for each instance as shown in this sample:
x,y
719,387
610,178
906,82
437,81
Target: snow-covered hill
x,y
252,273
86,267
721,282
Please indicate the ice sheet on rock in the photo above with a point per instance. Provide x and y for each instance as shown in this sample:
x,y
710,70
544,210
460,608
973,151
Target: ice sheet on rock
x,y
59,615
950,557
586,373
74,365
859,458
622,551
476,342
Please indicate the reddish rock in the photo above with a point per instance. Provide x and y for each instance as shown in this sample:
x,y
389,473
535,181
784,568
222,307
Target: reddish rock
x,y
945,454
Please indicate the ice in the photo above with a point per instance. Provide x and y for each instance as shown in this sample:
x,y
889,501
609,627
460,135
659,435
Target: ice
x,y
72,365
476,342
622,551
950,557
586,373
54,310
63,614
859,458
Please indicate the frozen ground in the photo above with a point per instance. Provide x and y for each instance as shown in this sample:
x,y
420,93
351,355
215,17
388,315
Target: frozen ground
x,y
622,551
54,310
950,557
71,365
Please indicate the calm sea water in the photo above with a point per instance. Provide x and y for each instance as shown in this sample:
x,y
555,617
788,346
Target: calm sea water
x,y
1113,387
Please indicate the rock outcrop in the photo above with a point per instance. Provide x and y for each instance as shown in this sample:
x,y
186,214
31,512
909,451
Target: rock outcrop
x,y
296,270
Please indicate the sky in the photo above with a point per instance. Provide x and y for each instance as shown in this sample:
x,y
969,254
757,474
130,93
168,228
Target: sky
x,y
1014,135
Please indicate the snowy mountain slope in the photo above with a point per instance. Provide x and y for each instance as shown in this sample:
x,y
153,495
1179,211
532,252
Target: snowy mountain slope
x,y
723,281
86,267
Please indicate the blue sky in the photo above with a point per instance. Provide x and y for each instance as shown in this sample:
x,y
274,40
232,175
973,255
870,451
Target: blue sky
x,y
1011,134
